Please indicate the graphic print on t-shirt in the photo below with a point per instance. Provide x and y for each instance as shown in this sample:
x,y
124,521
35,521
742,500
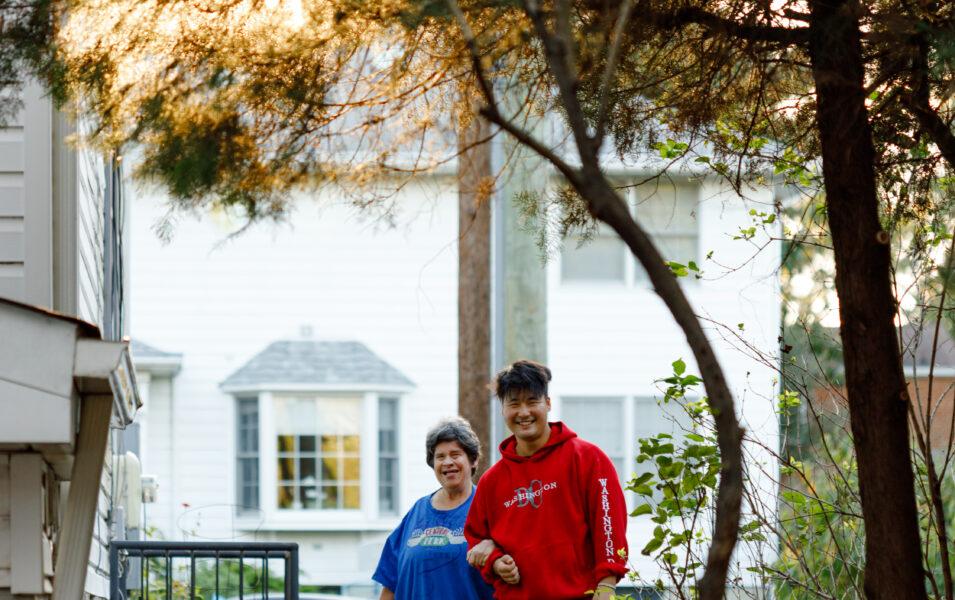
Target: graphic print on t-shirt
x,y
436,536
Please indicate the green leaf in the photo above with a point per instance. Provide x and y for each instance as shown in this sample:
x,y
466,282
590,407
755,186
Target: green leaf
x,y
651,546
643,509
679,366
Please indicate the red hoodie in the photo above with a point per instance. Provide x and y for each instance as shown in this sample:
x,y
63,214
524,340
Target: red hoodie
x,y
559,513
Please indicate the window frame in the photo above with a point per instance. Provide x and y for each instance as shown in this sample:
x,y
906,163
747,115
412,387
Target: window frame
x,y
269,516
630,413
632,276
389,455
251,404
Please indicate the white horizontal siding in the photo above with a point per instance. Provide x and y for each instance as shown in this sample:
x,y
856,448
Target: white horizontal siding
x,y
12,211
220,302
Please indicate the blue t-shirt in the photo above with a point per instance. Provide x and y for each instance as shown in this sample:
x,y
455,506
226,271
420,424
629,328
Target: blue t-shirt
x,y
425,558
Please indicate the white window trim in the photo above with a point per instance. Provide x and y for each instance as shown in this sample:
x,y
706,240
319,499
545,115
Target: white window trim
x,y
366,518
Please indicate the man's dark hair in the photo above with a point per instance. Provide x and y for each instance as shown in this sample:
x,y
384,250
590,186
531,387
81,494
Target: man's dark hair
x,y
522,375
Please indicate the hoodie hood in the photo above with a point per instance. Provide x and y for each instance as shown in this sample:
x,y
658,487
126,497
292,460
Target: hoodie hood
x,y
559,433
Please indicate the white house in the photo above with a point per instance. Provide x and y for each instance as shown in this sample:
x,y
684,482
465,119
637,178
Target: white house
x,y
67,384
305,361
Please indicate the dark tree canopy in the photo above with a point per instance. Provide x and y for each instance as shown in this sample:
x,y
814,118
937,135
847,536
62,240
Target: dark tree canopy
x,y
239,102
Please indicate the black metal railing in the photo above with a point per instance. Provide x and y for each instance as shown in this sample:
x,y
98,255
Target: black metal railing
x,y
206,571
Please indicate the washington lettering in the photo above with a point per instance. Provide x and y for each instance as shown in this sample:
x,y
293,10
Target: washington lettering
x,y
530,495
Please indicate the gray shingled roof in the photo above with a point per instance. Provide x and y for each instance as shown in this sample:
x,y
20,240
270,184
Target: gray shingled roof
x,y
142,350
319,363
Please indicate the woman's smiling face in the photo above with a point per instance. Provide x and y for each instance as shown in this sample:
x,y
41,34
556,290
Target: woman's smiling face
x,y
452,467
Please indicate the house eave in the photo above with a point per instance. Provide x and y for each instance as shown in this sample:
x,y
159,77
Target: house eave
x,y
257,388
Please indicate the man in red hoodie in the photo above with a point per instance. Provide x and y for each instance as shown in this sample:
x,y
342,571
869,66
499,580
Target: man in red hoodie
x,y
552,505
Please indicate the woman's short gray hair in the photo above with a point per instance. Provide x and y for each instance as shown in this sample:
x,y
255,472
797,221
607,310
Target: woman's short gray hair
x,y
454,429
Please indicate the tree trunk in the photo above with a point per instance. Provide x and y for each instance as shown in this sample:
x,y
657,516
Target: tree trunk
x,y
874,379
474,282
605,205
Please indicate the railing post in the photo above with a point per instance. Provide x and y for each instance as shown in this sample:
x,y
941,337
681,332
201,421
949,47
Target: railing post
x,y
115,582
121,551
291,578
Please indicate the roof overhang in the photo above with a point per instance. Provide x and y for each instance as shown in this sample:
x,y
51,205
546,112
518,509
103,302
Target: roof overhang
x,y
166,365
237,389
49,363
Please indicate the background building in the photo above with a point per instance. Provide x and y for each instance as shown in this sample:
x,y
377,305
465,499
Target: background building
x,y
311,357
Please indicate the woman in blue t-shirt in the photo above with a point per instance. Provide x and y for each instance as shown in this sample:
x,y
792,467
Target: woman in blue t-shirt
x,y
425,557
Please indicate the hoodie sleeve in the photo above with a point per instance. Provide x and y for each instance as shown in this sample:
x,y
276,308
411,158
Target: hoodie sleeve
x,y
476,529
606,513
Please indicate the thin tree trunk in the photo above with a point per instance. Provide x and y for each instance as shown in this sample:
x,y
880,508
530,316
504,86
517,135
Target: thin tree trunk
x,y
605,205
474,281
874,379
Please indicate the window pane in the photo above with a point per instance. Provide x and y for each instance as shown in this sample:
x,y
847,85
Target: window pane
x,y
386,442
329,496
386,499
352,496
249,497
286,469
668,213
286,443
307,468
286,495
307,443
352,443
597,420
309,497
386,470
329,443
351,469
599,259
665,207
330,469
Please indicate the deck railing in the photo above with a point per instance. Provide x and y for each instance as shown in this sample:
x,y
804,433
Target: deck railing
x,y
158,570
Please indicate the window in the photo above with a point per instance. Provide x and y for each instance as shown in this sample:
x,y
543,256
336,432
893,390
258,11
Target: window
x,y
602,258
598,420
318,444
247,453
387,456
604,421
667,211
319,452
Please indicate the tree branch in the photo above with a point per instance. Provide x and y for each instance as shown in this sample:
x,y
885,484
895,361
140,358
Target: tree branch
x,y
691,15
612,57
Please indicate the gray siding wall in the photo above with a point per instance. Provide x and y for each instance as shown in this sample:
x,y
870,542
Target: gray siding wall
x,y
26,219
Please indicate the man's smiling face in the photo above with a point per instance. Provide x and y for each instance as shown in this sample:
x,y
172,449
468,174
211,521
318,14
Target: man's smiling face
x,y
525,414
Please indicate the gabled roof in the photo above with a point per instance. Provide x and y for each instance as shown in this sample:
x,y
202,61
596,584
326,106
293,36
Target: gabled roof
x,y
318,365
143,350
153,360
